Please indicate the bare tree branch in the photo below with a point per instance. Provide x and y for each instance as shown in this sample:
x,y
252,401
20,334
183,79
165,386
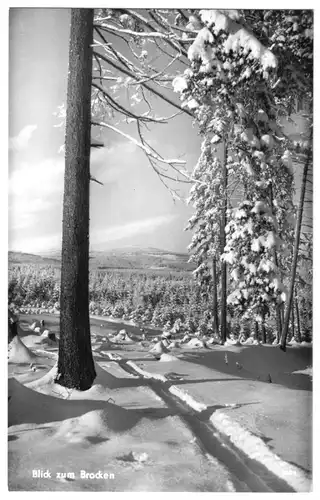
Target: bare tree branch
x,y
95,180
151,89
137,143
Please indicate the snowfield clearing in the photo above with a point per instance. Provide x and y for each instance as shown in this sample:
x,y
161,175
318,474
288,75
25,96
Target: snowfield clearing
x,y
155,422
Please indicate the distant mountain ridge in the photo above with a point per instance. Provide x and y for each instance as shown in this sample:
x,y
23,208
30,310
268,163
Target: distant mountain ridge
x,y
118,258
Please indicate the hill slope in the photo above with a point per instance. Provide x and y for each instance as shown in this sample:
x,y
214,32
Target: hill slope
x,y
119,258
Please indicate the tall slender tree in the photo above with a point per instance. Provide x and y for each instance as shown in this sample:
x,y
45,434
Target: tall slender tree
x,y
308,161
75,364
224,278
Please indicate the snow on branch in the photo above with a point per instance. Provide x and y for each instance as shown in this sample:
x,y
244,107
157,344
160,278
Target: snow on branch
x,y
118,107
137,143
144,84
239,38
139,34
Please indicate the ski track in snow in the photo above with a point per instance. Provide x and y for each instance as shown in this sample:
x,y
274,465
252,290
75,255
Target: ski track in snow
x,y
252,446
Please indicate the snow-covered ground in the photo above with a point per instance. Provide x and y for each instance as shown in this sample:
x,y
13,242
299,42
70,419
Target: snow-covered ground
x,y
127,434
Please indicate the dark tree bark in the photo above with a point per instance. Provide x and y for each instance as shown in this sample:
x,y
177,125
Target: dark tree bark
x,y
263,328
276,262
215,296
296,248
256,330
223,244
12,326
292,320
298,330
264,333
75,364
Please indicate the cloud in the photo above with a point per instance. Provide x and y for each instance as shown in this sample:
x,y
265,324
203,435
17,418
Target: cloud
x,y
21,141
97,236
123,231
110,164
35,244
33,189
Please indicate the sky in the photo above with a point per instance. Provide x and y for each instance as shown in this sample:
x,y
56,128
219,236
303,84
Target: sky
x,y
132,207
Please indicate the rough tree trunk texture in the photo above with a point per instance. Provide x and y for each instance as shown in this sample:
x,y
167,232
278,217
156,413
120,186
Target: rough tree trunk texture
x,y
292,320
276,262
296,248
264,333
223,244
215,297
256,330
298,330
12,326
75,364
263,329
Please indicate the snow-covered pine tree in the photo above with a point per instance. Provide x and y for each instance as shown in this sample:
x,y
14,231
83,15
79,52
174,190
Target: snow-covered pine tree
x,y
235,89
225,61
206,198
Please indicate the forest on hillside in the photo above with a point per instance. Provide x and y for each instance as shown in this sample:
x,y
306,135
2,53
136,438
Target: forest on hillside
x,y
171,301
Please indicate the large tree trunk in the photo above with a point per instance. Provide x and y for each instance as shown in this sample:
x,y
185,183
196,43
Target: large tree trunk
x,y
223,244
296,248
215,297
75,364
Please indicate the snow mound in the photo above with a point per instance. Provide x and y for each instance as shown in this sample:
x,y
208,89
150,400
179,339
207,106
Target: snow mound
x,y
80,418
232,342
174,344
36,341
134,456
166,335
122,336
159,348
113,357
212,340
106,343
41,384
249,341
18,352
35,324
307,371
48,337
196,343
165,342
294,343
168,357
185,339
